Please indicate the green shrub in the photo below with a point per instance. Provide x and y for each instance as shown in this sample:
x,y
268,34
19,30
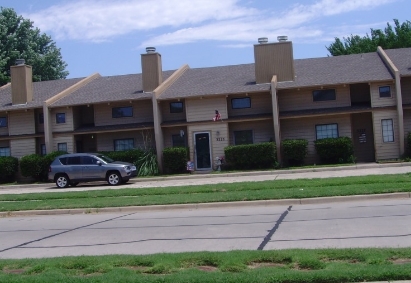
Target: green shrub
x,y
9,166
251,156
147,164
130,156
335,150
408,140
295,151
175,159
32,166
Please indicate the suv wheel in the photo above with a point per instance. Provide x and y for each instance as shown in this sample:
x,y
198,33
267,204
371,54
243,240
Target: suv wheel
x,y
113,178
62,181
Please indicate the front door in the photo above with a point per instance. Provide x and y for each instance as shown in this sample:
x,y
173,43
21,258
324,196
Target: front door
x,y
202,151
363,137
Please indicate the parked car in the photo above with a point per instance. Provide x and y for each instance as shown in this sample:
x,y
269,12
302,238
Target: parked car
x,y
70,169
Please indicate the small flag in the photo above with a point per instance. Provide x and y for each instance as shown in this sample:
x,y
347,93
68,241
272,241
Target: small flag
x,y
217,116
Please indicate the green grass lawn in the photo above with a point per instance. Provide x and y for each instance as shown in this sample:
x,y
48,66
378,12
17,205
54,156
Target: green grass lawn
x,y
246,191
291,266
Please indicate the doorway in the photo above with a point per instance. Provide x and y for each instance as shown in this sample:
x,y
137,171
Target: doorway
x,y
363,137
202,151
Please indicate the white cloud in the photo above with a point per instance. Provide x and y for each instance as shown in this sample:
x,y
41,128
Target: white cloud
x,y
192,20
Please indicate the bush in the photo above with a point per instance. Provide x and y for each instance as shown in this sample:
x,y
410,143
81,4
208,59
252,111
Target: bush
x,y
130,156
408,140
175,159
251,156
37,166
295,151
9,166
335,150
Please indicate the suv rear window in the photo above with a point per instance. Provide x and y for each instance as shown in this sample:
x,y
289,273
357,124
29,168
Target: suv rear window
x,y
63,160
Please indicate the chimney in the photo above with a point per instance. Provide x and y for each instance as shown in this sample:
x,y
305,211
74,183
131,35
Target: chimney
x,y
274,59
21,83
152,69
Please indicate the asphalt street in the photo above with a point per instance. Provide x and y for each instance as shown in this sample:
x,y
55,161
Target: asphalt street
x,y
383,223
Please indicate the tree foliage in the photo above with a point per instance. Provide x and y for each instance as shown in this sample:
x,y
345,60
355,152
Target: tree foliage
x,y
20,40
391,37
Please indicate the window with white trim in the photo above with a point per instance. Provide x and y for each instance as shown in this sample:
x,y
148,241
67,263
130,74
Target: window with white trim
x,y
326,131
62,146
176,107
43,149
240,103
61,118
3,122
4,151
243,137
123,144
387,130
385,91
324,94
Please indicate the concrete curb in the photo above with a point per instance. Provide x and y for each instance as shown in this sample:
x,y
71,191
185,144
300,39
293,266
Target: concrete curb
x,y
193,206
251,173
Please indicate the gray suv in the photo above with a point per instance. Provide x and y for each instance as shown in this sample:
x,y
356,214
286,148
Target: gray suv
x,y
70,169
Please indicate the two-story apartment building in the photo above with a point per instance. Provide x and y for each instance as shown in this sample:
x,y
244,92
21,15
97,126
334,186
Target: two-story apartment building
x,y
366,97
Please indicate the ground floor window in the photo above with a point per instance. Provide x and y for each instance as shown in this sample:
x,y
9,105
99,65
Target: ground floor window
x,y
387,130
243,137
326,131
123,144
4,151
62,146
178,141
43,149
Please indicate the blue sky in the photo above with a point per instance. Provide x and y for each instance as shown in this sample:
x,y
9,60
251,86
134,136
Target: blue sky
x,y
108,36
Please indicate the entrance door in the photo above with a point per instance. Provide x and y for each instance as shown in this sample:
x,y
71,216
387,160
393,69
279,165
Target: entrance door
x,y
202,151
363,137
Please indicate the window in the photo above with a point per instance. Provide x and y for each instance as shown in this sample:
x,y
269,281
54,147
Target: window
x,y
3,121
73,160
43,149
176,107
239,103
178,141
60,118
243,137
62,146
387,130
326,131
88,160
324,94
124,144
4,151
120,112
385,91
41,118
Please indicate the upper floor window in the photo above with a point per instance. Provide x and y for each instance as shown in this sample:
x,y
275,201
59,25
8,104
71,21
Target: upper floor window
x,y
326,131
3,121
243,137
239,103
41,118
176,107
61,118
4,151
178,141
123,144
62,146
120,112
324,94
385,91
387,130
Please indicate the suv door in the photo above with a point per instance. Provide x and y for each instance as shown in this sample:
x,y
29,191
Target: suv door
x,y
91,170
73,169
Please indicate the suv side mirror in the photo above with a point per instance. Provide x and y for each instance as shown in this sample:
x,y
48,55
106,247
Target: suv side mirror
x,y
98,163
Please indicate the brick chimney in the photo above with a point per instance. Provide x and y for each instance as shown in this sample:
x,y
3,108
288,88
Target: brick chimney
x,y
21,83
152,69
274,59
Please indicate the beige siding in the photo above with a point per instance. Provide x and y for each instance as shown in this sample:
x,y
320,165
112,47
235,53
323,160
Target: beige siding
x,y
305,129
291,100
63,127
21,122
22,147
167,116
4,130
142,139
385,150
263,131
169,132
204,109
64,139
142,112
260,104
217,146
406,90
377,101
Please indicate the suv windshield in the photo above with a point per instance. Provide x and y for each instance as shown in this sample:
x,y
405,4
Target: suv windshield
x,y
105,158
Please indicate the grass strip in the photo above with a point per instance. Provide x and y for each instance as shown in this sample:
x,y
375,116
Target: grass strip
x,y
291,266
245,191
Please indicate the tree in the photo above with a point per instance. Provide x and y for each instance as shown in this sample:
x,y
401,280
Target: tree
x,y
20,40
389,38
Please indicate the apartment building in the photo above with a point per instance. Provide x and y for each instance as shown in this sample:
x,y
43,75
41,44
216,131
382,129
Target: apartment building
x,y
366,97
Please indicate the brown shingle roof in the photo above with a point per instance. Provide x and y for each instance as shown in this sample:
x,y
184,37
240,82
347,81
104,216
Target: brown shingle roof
x,y
402,59
109,89
41,92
